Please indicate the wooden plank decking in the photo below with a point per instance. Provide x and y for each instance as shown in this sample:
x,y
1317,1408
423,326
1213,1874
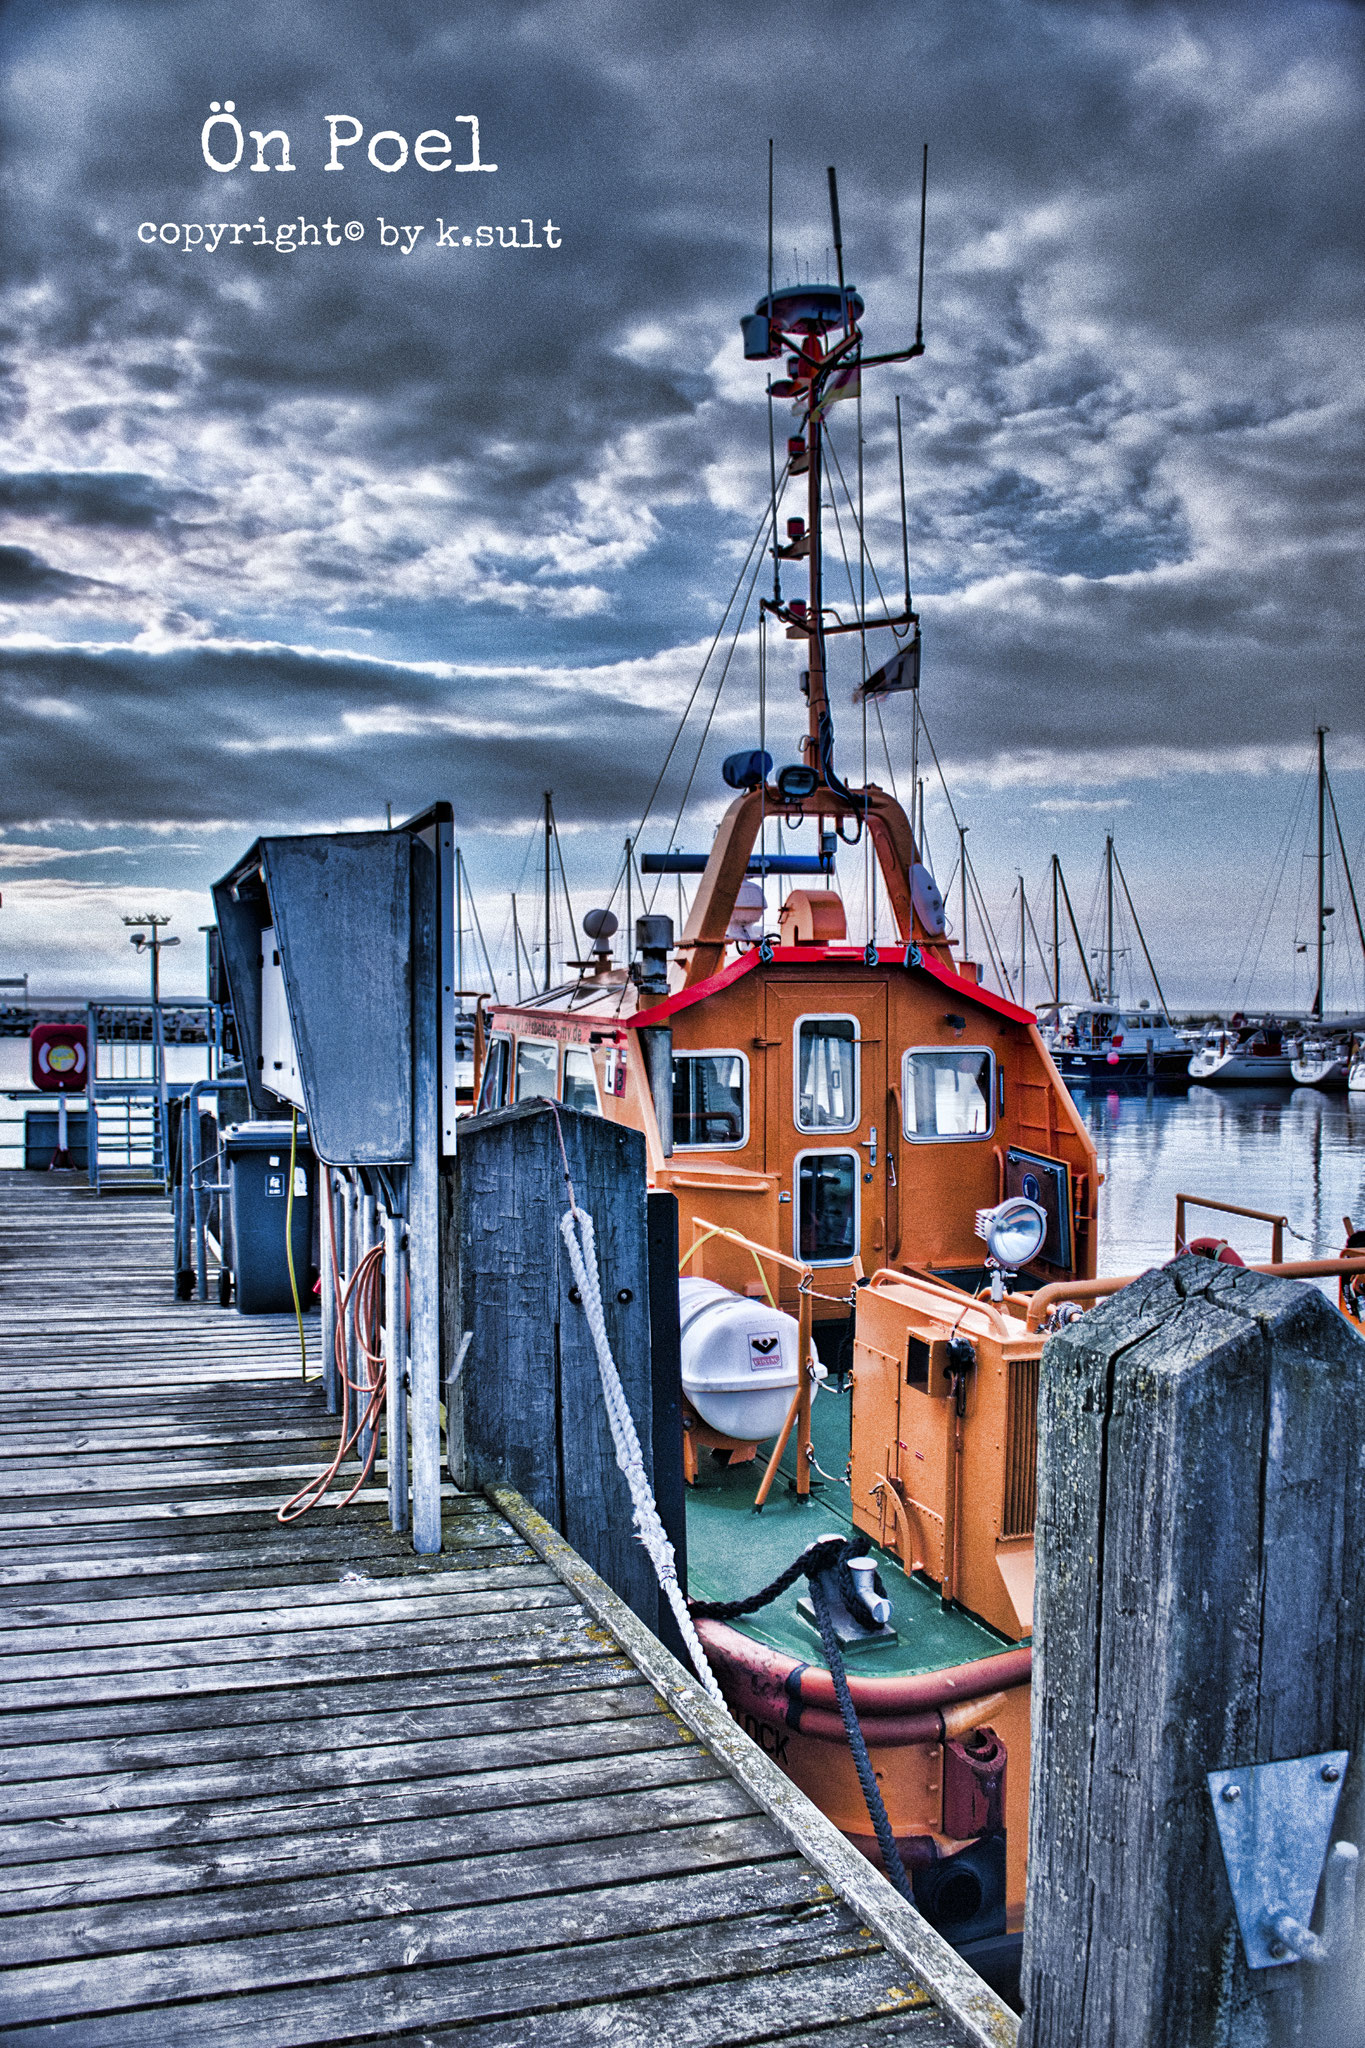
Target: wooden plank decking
x,y
268,1786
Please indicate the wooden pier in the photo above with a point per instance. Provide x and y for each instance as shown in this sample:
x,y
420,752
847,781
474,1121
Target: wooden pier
x,y
267,1786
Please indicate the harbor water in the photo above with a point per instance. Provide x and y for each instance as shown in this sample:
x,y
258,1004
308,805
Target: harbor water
x,y
1296,1151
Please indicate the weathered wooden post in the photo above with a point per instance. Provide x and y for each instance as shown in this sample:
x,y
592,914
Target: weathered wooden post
x,y
533,1414
1201,1516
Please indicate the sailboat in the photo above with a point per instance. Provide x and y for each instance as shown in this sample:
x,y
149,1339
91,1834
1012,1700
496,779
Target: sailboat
x,y
875,1159
1103,1043
1324,1057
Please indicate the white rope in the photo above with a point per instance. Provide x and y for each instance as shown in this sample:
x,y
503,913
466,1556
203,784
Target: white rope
x,y
582,1247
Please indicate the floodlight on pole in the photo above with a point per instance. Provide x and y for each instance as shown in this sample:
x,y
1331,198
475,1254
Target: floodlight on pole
x,y
154,944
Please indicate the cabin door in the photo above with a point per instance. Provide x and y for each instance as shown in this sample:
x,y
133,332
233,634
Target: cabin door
x,y
825,1121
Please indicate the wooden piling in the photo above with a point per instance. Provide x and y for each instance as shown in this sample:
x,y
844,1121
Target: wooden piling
x,y
1201,1514
533,1412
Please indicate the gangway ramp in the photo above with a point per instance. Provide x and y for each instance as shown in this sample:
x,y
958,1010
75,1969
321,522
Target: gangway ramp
x,y
270,1786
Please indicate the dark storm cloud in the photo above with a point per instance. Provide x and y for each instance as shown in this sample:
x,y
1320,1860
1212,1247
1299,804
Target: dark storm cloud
x,y
25,579
97,497
1133,447
276,734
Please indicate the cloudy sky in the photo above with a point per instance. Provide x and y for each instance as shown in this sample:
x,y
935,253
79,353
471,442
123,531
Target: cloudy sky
x,y
294,533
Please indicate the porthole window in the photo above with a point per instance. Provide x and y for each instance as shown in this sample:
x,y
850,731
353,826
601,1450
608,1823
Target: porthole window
x,y
826,1207
710,1099
537,1067
827,1074
948,1093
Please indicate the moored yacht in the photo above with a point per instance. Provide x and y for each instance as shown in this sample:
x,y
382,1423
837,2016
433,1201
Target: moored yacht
x,y
1243,1049
1102,1044
1320,1062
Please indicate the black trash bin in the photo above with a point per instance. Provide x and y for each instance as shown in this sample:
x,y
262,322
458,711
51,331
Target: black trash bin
x,y
258,1176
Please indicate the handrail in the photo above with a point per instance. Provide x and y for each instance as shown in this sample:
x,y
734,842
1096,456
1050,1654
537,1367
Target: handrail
x,y
760,1251
1043,1298
1228,1209
953,1297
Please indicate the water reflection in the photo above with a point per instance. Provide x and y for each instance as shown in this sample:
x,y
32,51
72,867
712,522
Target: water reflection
x,y
1294,1150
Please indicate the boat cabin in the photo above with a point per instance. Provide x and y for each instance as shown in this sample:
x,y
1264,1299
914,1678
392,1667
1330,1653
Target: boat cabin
x,y
1099,1030
850,1107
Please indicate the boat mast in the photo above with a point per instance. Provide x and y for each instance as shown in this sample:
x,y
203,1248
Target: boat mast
x,y
1023,957
1141,937
1322,868
962,864
1109,917
1056,940
818,712
1346,870
459,920
548,829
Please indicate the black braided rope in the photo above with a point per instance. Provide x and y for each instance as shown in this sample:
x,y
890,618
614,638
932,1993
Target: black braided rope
x,y
831,1553
862,1762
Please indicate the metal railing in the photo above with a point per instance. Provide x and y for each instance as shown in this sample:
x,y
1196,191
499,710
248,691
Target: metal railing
x,y
1277,1223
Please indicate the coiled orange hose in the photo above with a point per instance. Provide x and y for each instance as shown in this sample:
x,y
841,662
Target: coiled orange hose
x,y
362,1301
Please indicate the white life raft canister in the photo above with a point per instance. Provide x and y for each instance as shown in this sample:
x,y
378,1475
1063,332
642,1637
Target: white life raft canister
x,y
738,1360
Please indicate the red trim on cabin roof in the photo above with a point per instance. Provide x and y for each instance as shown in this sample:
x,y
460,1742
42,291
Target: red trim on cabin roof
x,y
829,956
972,991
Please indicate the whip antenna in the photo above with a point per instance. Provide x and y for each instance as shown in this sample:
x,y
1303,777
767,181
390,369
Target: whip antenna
x,y
772,443
834,220
770,227
923,196
905,531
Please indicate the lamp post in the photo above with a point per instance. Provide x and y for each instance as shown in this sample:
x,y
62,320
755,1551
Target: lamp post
x,y
145,937
154,945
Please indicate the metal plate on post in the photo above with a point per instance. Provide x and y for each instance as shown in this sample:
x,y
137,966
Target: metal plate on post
x,y
1275,1822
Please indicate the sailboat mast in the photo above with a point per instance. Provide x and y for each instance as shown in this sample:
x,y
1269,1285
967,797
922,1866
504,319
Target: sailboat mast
x,y
548,829
1322,868
516,946
459,920
1056,938
1346,871
1023,958
1109,916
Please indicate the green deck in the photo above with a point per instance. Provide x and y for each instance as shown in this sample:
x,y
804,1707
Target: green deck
x,y
732,1552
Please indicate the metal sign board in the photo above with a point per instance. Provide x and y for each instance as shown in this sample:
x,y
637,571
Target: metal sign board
x,y
1275,1822
58,1058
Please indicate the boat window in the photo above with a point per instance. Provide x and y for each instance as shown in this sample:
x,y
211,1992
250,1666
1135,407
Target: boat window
x,y
493,1089
826,1207
948,1094
827,1074
710,1098
580,1086
537,1067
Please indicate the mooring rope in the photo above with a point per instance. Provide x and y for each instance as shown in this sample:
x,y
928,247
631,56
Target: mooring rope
x,y
832,1554
577,1231
580,1239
